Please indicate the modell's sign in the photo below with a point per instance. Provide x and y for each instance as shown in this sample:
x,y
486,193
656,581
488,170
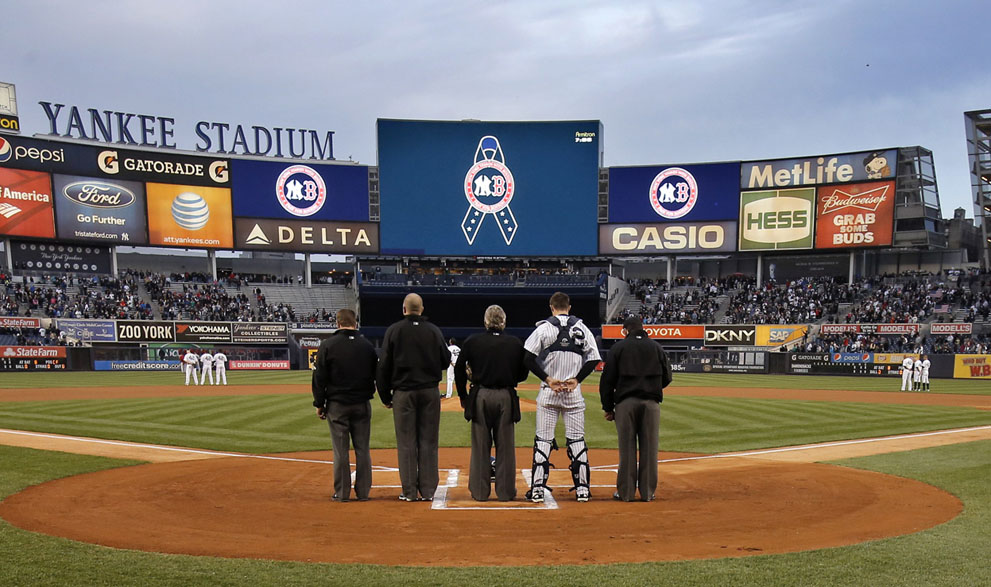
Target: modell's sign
x,y
951,328
870,328
855,215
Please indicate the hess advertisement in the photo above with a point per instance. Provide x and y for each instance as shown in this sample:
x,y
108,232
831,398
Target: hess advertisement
x,y
26,204
265,189
91,209
677,193
489,188
855,215
777,220
189,216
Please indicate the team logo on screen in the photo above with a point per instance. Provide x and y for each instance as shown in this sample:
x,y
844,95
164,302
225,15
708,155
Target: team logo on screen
x,y
673,193
301,190
489,187
5,150
190,211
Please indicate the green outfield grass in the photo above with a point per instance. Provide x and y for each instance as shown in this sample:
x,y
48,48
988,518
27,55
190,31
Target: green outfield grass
x,y
851,383
952,554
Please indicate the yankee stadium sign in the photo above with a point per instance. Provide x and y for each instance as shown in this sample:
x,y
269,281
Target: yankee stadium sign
x,y
125,128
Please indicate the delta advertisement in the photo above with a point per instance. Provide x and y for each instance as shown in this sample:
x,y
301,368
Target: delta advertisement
x,y
91,209
26,203
319,236
290,191
777,220
972,367
489,188
855,215
189,216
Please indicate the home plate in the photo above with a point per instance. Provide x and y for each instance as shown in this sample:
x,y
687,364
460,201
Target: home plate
x,y
454,495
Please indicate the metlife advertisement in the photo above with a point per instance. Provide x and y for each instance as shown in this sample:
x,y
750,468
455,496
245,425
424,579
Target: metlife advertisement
x,y
300,190
489,188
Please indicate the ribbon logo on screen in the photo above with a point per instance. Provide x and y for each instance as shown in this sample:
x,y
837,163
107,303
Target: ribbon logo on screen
x,y
489,187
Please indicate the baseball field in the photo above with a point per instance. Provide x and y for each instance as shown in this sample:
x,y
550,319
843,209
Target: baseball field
x,y
133,478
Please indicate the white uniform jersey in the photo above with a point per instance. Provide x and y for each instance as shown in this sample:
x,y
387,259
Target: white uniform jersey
x,y
206,359
190,359
925,367
220,360
560,364
917,367
907,364
455,351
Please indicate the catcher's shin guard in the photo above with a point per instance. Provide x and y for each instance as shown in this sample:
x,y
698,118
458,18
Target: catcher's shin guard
x,y
541,461
578,453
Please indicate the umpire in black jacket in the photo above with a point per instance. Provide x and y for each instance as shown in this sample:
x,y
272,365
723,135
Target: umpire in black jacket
x,y
492,406
631,389
343,384
414,355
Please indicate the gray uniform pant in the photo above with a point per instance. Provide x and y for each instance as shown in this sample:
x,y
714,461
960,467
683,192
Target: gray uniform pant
x,y
493,421
416,414
351,423
637,422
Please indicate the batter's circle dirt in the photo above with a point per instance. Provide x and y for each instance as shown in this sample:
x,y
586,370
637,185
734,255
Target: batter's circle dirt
x,y
269,509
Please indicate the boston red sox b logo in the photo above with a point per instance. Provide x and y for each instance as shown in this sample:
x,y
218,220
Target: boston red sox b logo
x,y
489,187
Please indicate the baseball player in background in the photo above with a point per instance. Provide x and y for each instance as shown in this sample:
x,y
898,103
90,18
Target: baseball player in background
x,y
917,374
907,372
561,351
190,361
455,351
220,365
206,362
925,372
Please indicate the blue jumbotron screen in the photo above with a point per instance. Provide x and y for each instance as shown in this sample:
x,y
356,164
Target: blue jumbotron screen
x,y
489,188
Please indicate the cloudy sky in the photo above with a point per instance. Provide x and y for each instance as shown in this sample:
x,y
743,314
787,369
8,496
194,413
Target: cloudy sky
x,y
672,82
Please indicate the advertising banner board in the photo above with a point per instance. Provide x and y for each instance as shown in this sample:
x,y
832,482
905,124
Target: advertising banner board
x,y
288,191
317,236
810,171
32,358
777,220
669,237
88,330
189,216
26,206
74,258
855,215
660,331
972,367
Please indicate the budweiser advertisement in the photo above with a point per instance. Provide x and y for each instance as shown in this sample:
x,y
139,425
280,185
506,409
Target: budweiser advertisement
x,y
855,215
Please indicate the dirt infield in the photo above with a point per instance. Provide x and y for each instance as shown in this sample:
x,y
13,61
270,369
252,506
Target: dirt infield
x,y
192,501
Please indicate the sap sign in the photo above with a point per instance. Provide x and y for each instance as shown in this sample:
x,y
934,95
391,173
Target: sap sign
x,y
777,219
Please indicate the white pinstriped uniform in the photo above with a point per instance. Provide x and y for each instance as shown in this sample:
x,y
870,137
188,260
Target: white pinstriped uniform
x,y
561,365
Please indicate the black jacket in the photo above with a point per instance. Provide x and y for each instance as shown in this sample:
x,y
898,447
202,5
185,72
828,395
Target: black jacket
x,y
635,367
497,362
345,369
414,355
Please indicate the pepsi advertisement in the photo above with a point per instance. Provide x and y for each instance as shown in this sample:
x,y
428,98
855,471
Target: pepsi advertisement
x,y
98,210
489,188
113,163
296,190
674,193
